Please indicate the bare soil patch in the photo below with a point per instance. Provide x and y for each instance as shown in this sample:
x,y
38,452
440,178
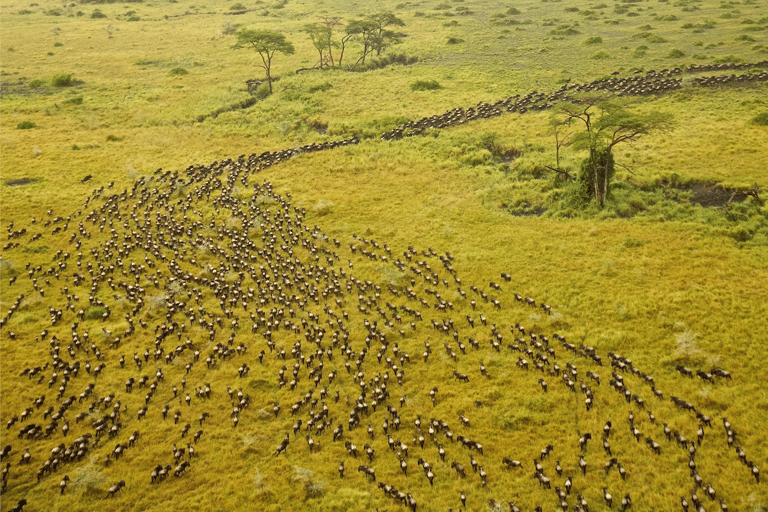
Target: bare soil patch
x,y
20,182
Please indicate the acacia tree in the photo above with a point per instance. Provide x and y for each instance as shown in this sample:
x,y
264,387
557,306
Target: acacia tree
x,y
365,31
607,123
321,39
331,22
266,43
373,33
383,37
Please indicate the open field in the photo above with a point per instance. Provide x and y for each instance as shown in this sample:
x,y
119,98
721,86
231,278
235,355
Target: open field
x,y
177,249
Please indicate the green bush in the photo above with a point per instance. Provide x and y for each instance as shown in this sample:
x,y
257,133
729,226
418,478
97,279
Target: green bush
x,y
728,59
96,14
425,85
62,80
58,44
320,87
601,55
262,91
455,40
594,40
760,119
237,7
179,72
95,312
675,54
25,125
229,28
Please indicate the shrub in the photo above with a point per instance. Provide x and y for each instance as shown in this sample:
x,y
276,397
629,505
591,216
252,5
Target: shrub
x,y
455,40
383,62
262,91
134,18
512,11
237,7
602,164
95,312
58,44
62,80
179,72
77,100
37,83
728,59
113,138
594,40
96,14
675,54
601,55
320,87
425,85
229,28
25,125
760,119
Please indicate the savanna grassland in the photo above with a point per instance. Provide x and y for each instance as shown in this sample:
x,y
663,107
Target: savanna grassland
x,y
151,210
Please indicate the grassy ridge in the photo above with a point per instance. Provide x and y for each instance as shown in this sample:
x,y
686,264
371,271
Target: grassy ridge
x,y
666,287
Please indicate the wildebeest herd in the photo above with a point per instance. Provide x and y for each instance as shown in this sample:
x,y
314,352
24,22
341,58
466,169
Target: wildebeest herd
x,y
179,280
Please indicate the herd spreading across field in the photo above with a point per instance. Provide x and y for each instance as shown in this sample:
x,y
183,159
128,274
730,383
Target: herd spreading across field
x,y
267,295
355,321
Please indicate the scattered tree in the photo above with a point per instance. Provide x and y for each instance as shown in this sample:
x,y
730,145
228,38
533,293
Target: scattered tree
x,y
382,36
320,35
607,123
266,43
373,33
331,22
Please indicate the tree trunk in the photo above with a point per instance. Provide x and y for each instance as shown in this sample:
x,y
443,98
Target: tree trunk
x,y
595,174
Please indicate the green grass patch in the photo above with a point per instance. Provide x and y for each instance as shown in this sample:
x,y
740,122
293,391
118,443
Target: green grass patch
x,y
760,119
62,80
426,85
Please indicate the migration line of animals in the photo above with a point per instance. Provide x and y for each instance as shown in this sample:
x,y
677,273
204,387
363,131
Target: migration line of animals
x,y
291,283
652,82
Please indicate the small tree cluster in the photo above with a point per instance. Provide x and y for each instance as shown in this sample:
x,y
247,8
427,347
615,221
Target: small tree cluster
x,y
374,33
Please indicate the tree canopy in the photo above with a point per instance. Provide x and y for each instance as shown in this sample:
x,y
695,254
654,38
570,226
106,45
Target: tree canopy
x,y
266,43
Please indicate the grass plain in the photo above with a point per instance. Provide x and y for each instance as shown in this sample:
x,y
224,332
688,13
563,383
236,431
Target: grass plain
x,y
657,280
